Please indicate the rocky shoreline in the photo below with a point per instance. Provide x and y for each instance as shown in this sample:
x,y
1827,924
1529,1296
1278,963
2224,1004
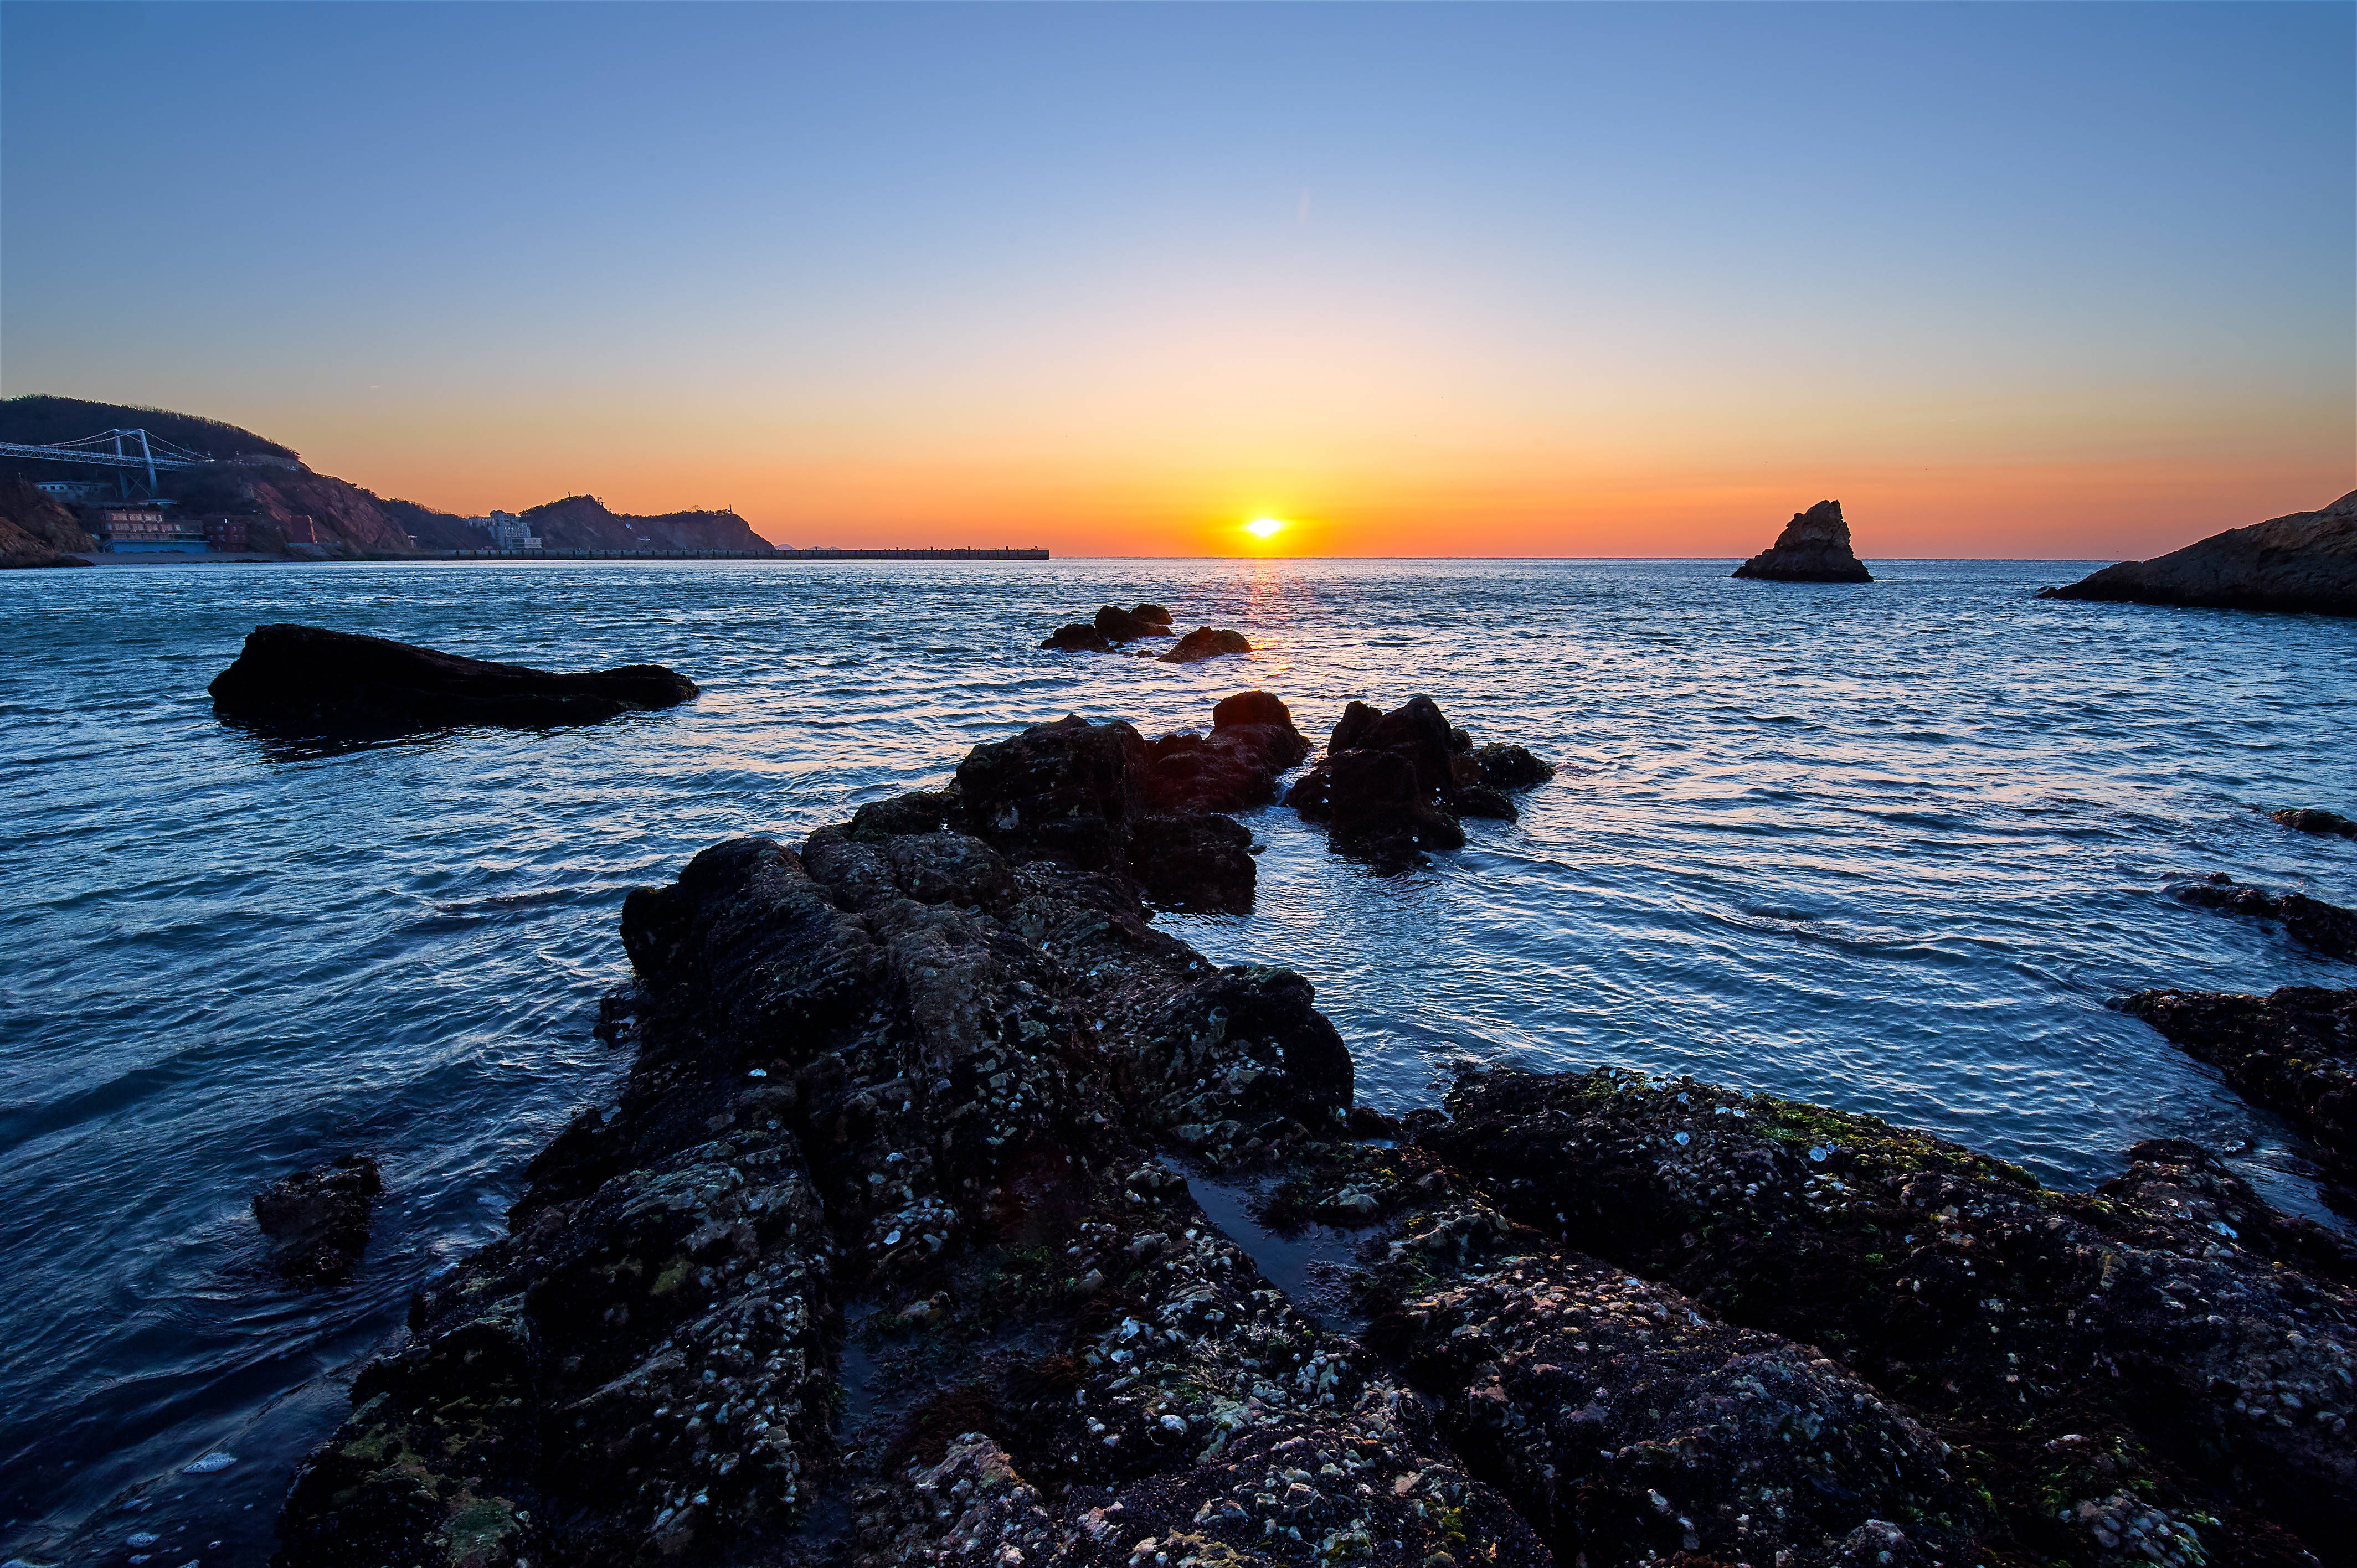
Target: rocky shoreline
x,y
2305,561
893,1250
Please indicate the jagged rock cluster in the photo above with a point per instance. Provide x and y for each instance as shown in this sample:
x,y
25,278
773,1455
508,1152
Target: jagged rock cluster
x,y
1114,626
1813,548
909,1133
308,678
1392,785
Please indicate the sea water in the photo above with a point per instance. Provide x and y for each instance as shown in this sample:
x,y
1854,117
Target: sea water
x,y
1889,846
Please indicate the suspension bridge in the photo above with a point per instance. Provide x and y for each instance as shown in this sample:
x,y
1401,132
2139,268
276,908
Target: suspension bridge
x,y
126,452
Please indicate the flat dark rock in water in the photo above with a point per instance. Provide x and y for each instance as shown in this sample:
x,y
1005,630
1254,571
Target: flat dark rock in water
x,y
2304,561
2294,1051
1206,642
2328,928
305,677
1813,548
2308,819
319,1219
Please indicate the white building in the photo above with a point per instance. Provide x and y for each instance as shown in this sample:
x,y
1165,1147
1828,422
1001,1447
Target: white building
x,y
506,532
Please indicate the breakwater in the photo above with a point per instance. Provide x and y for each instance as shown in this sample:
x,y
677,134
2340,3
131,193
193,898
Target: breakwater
x,y
1004,554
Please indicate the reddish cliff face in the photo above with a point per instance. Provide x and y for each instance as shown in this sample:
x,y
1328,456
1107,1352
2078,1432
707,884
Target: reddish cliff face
x,y
34,531
346,520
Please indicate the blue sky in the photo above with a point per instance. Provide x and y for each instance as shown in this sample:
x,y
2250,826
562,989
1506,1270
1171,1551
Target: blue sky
x,y
1521,267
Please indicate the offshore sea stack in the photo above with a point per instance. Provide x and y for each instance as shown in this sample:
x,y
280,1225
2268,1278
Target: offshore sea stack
x,y
1813,548
306,678
2305,561
889,1253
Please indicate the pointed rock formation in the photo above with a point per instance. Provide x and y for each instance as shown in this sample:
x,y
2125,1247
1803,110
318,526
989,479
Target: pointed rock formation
x,y
2304,561
1813,548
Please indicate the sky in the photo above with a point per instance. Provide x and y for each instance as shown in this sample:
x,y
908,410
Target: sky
x,y
2007,279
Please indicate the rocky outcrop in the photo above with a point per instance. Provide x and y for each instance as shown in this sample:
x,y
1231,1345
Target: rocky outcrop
x,y
2305,561
1393,785
34,531
1113,624
2309,820
1078,638
1081,796
1961,1292
318,1220
1119,624
1813,548
2328,928
2294,1051
1206,642
1251,744
900,1092
308,678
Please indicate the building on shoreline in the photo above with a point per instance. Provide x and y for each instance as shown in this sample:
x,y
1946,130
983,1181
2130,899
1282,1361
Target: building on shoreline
x,y
145,528
506,532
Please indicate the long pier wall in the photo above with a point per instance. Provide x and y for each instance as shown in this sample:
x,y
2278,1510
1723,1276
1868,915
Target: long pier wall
x,y
1006,554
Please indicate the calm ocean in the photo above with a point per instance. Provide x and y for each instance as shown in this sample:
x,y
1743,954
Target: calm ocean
x,y
1889,847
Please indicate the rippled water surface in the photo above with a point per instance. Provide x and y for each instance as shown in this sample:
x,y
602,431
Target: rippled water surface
x,y
1887,846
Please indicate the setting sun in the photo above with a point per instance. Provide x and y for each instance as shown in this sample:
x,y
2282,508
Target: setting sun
x,y
1263,527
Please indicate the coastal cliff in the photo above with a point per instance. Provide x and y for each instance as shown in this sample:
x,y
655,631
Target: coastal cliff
x,y
2304,561
897,1248
34,531
291,509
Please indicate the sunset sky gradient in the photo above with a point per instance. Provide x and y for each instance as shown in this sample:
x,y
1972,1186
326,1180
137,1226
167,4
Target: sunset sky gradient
x,y
2045,281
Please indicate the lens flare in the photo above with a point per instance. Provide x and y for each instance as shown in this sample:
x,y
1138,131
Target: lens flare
x,y
1263,527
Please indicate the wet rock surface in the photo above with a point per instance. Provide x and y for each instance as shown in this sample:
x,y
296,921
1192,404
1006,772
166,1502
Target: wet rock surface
x,y
308,678
1251,744
890,1252
1393,785
318,1220
1078,638
2310,820
1109,628
1207,642
1813,548
2294,1051
2327,928
2304,561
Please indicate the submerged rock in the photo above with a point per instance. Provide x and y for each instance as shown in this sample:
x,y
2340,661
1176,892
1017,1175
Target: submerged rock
x,y
1206,642
1813,548
318,1220
2294,1051
2328,928
2304,561
308,677
2308,819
